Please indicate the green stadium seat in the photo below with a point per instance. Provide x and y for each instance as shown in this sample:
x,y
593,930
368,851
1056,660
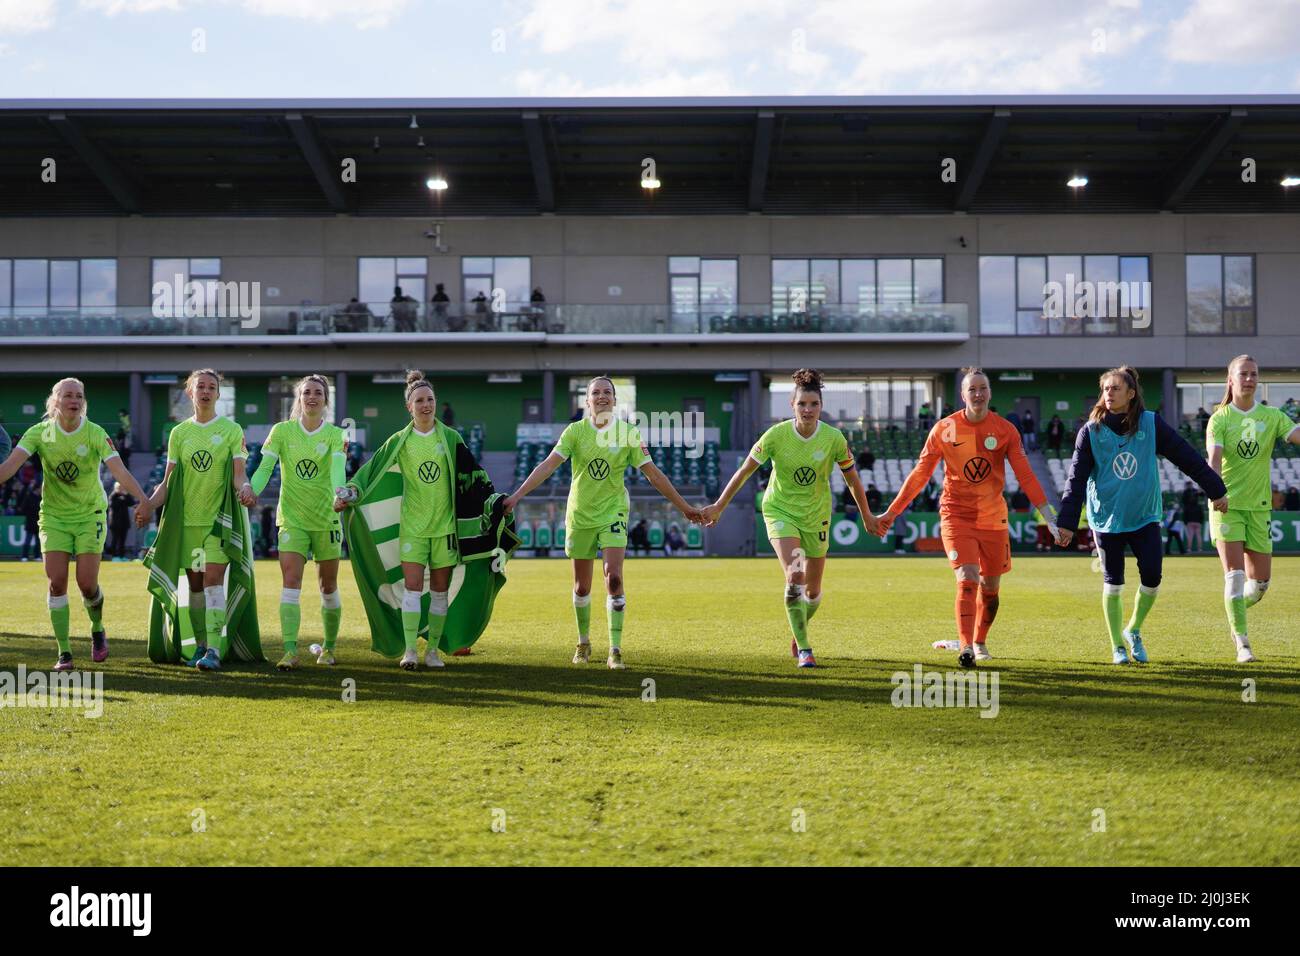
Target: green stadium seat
x,y
542,534
656,535
561,533
525,531
694,537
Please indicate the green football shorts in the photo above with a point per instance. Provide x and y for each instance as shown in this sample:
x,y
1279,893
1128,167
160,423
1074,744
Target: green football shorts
x,y
436,552
200,547
321,545
584,543
85,537
1251,527
815,542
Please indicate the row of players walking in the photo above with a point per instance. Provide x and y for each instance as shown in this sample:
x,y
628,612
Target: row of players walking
x,y
1113,476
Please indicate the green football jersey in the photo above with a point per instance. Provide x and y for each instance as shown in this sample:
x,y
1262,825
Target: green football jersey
x,y
427,507
800,488
306,459
597,495
1247,439
205,452
70,462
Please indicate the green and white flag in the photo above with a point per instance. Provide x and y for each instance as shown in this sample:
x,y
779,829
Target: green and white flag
x,y
486,540
169,640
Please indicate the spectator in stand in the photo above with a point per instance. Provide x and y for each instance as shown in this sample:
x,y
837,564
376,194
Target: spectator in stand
x,y
405,310
119,520
537,298
673,541
1202,419
1174,526
356,317
1193,517
439,302
638,539
1014,419
1292,409
482,319
29,504
866,459
873,498
124,448
1028,431
448,415
1292,500
1055,434
124,420
925,417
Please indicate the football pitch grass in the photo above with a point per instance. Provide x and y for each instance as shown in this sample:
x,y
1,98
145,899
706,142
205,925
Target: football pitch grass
x,y
740,758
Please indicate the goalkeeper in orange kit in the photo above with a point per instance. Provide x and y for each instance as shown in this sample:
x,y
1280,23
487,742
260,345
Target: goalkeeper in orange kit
x,y
974,446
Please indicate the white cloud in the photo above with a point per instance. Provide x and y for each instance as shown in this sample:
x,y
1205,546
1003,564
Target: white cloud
x,y
1234,31
366,13
558,84
26,16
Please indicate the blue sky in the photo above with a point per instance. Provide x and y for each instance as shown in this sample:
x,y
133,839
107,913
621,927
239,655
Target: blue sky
x,y
403,48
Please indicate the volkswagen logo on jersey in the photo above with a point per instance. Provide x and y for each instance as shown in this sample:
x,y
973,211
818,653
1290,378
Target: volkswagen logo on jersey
x,y
305,469
1247,449
804,476
67,471
201,461
429,472
1125,465
598,468
977,469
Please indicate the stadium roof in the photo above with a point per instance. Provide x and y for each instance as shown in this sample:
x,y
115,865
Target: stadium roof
x,y
715,155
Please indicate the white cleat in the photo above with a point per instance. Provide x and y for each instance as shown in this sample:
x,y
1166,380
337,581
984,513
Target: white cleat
x,y
1244,654
982,653
583,654
615,660
323,656
410,660
432,660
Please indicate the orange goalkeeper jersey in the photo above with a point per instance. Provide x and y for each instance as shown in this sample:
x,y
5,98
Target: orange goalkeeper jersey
x,y
974,458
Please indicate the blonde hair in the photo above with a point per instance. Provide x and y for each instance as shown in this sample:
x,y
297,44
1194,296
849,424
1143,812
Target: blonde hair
x,y
1227,392
296,411
415,380
196,375
52,402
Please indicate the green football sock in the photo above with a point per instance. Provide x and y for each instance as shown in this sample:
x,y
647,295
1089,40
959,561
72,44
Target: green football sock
x,y
95,610
437,616
811,606
1234,601
215,619
1112,605
411,618
1146,598
290,618
196,620
332,617
615,607
59,619
796,612
582,613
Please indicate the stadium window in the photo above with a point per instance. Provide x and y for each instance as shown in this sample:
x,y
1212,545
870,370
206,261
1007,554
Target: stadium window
x,y
802,284
1220,295
856,403
36,286
699,287
378,276
205,271
511,274
1014,293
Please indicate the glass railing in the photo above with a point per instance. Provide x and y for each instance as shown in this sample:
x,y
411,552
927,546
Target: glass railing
x,y
453,318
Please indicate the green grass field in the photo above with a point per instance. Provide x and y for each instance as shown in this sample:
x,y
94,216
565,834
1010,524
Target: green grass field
x,y
714,770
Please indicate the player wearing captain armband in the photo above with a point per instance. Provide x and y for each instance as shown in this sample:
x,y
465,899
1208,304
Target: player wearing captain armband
x,y
974,446
312,455
72,517
601,447
1115,463
1240,437
797,503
